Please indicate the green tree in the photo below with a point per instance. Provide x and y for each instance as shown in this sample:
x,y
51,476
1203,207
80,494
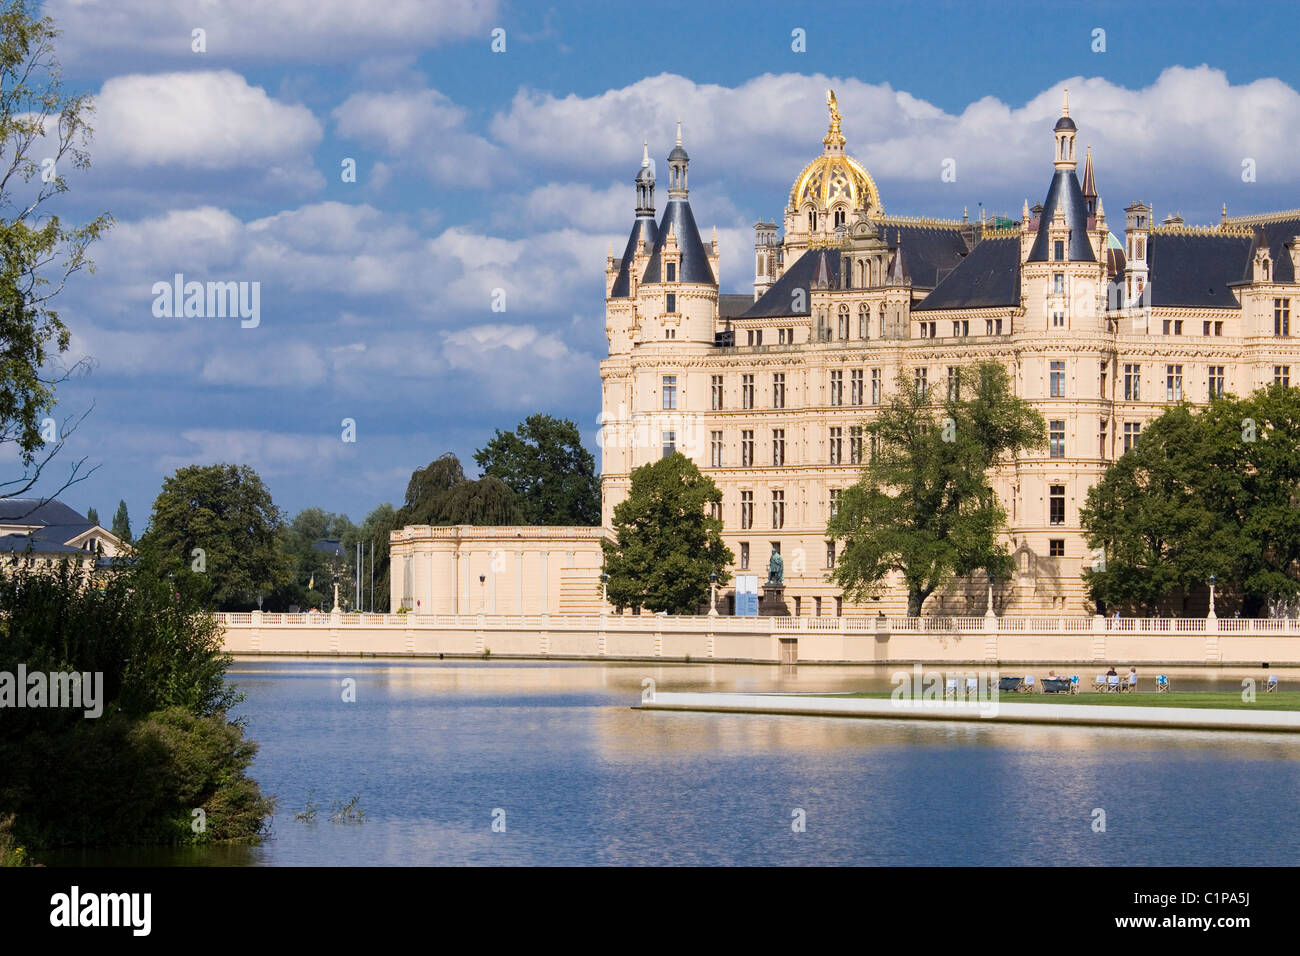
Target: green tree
x,y
1209,492
163,744
121,523
92,516
428,487
44,132
227,513
440,494
546,466
924,508
666,544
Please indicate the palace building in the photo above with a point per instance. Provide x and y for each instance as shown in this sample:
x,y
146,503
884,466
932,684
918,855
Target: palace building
x,y
1102,328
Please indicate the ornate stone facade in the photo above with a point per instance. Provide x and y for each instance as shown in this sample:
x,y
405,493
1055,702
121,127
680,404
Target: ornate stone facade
x,y
767,393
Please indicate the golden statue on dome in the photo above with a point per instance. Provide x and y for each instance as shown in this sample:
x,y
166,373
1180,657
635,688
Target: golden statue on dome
x,y
833,136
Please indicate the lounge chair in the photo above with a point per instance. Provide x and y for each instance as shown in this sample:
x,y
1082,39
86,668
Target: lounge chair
x,y
1112,684
1131,684
1028,686
1009,685
950,688
1162,684
1270,685
1074,684
1056,685
1100,683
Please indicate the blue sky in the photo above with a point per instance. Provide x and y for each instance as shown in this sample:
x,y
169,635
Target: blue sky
x,y
480,170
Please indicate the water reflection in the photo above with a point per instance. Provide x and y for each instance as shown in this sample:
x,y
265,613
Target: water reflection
x,y
432,748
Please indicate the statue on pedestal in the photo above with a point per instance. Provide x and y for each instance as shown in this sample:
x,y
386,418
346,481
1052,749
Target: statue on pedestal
x,y
775,571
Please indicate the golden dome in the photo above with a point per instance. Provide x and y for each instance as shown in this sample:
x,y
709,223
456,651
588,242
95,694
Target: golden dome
x,y
834,176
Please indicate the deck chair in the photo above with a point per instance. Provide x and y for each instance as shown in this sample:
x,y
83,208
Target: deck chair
x,y
1131,685
1009,685
1056,685
1100,683
1270,685
1162,684
950,688
1112,684
1028,686
1074,684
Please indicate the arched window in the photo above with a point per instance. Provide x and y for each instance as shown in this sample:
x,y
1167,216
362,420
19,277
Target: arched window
x,y
844,321
839,217
882,320
812,220
864,320
875,271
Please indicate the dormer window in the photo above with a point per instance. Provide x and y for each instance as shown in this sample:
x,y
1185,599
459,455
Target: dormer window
x,y
672,273
1059,250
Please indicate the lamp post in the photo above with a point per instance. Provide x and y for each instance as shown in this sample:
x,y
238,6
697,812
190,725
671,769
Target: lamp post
x,y
1212,614
713,594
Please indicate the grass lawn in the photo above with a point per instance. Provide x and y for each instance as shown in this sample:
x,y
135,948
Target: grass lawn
x,y
1216,700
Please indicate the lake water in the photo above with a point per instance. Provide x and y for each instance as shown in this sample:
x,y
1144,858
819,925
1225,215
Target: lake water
x,y
435,751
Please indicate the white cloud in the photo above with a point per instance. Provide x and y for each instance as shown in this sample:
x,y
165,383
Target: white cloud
x,y
312,30
203,120
424,130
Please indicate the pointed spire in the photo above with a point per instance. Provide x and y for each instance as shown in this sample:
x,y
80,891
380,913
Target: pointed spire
x,y
679,132
898,273
1024,212
1101,209
645,150
677,164
1065,109
1089,184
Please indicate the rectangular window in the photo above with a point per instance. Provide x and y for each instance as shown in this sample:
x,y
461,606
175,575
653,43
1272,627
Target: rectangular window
x,y
778,446
875,386
1173,383
1105,371
1131,432
1218,328
1281,317
778,509
855,444
1282,375
669,443
778,390
830,554
715,510
922,382
670,393
836,445
1101,439
1058,283
1178,326
1216,382
1058,250
1132,383
715,449
1205,327
856,386
834,501
1056,548
837,388
1058,380
746,512
1058,320
1056,505
744,554
1056,432
672,272
747,448
672,302
954,383
715,389
817,607
746,391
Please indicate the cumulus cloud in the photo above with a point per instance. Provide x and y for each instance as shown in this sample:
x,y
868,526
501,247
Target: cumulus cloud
x,y
422,130
309,30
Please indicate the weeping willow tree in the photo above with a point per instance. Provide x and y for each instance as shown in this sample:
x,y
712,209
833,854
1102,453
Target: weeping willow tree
x,y
44,132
